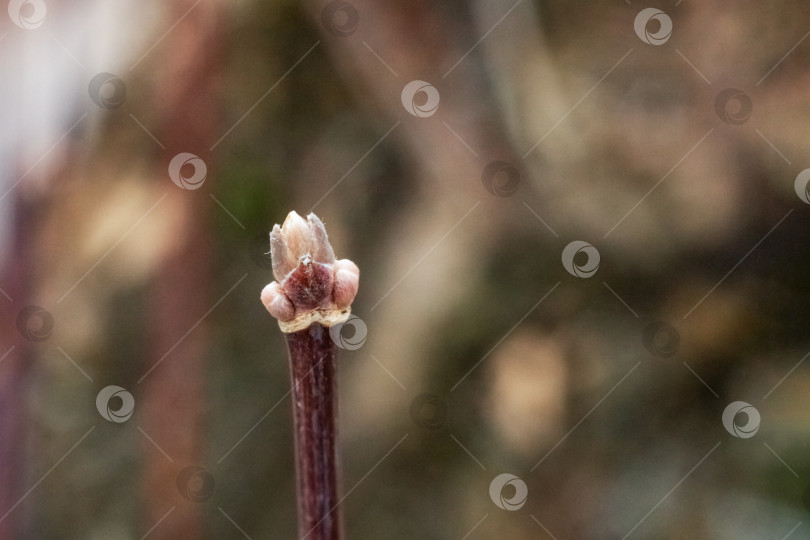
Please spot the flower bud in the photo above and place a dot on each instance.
(311, 286)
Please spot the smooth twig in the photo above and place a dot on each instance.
(312, 292)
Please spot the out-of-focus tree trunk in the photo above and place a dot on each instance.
(419, 40)
(14, 368)
(174, 392)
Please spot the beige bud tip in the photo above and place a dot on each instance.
(288, 243)
(277, 302)
(278, 254)
(347, 281)
(295, 230)
(293, 219)
(319, 243)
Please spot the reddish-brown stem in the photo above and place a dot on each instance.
(314, 389)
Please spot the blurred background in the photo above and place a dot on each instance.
(582, 234)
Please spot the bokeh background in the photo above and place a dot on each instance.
(676, 154)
